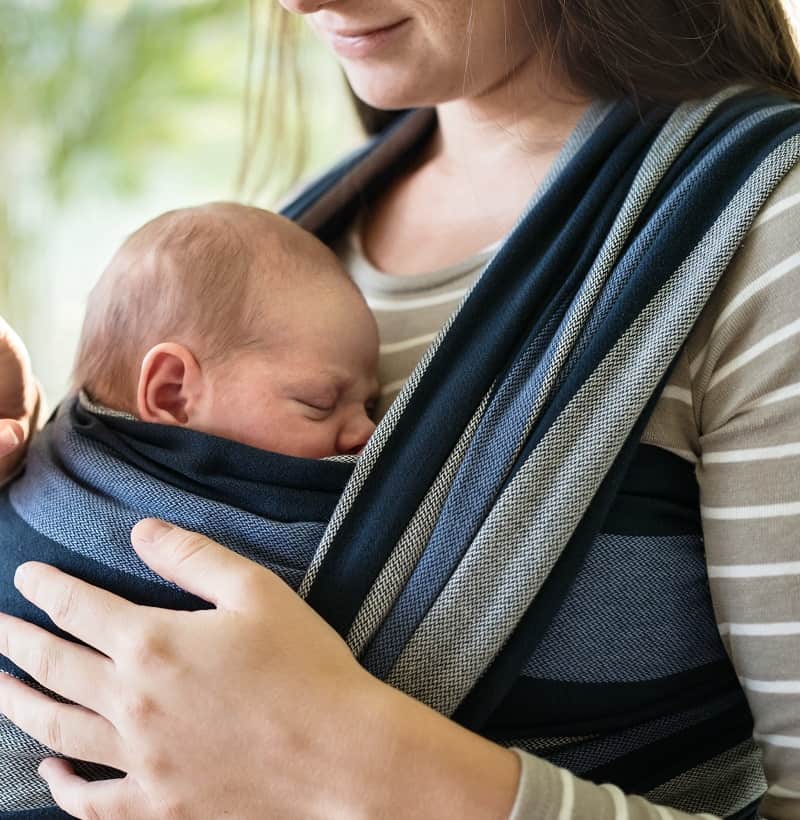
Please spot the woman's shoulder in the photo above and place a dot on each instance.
(747, 337)
(762, 276)
(745, 345)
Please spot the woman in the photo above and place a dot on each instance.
(201, 709)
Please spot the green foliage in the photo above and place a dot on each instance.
(80, 77)
(90, 90)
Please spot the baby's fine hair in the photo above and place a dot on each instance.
(195, 276)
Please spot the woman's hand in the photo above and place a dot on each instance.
(254, 709)
(19, 399)
(231, 712)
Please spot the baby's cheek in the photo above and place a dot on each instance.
(265, 431)
(304, 438)
(321, 440)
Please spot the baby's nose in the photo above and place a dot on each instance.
(355, 434)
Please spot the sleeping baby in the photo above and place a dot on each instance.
(225, 357)
(233, 321)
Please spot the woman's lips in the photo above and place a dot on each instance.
(363, 42)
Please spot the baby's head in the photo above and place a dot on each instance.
(233, 321)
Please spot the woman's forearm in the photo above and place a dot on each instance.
(549, 793)
(415, 763)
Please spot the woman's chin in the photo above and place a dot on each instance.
(389, 89)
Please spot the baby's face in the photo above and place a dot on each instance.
(312, 389)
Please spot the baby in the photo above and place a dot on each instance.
(233, 321)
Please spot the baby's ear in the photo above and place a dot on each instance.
(170, 385)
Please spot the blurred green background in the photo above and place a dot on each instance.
(112, 111)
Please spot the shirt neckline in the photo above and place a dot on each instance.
(364, 271)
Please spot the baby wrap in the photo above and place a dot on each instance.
(505, 548)
(89, 478)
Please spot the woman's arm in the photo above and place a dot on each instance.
(548, 793)
(746, 388)
(19, 401)
(253, 709)
(256, 708)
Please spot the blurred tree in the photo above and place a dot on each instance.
(96, 92)
(83, 78)
(90, 75)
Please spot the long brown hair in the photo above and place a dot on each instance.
(664, 50)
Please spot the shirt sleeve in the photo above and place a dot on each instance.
(547, 792)
(744, 369)
(746, 388)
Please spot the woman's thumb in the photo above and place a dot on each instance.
(192, 561)
(12, 436)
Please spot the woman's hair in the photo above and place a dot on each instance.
(663, 50)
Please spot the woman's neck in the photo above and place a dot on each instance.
(473, 180)
(521, 123)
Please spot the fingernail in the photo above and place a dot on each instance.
(9, 440)
(149, 531)
(21, 575)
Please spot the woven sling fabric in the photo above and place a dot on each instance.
(488, 485)
(568, 334)
(89, 478)
(504, 545)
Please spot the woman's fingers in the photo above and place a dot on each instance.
(198, 705)
(19, 400)
(93, 615)
(119, 799)
(65, 728)
(198, 564)
(12, 436)
(16, 378)
(66, 668)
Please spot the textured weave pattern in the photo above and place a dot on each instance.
(402, 562)
(723, 785)
(639, 609)
(21, 788)
(601, 751)
(20, 755)
(513, 492)
(528, 527)
(389, 421)
(66, 472)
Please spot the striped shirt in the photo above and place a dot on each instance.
(731, 408)
(409, 310)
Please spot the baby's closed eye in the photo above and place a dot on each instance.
(317, 409)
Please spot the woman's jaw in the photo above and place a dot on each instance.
(420, 53)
